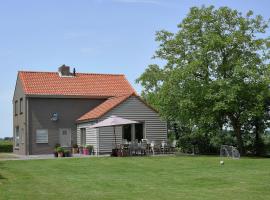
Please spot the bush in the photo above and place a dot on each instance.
(6, 146)
(60, 149)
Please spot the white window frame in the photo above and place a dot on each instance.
(42, 136)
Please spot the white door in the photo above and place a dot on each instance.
(65, 137)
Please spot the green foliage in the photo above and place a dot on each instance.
(90, 147)
(60, 150)
(216, 73)
(6, 146)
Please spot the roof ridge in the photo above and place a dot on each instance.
(80, 73)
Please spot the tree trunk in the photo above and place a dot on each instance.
(237, 130)
(259, 146)
(257, 142)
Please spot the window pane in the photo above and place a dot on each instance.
(21, 106)
(17, 137)
(41, 136)
(16, 107)
(127, 132)
(139, 132)
(83, 136)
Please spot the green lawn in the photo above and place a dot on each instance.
(136, 178)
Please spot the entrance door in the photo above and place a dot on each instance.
(139, 131)
(65, 137)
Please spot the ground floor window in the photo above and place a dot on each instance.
(83, 136)
(42, 136)
(17, 137)
(129, 134)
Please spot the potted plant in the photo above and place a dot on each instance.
(60, 151)
(85, 151)
(75, 148)
(90, 148)
(55, 150)
(66, 153)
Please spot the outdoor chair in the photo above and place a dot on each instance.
(154, 147)
(173, 146)
(164, 147)
(144, 147)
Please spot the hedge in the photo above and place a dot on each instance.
(6, 147)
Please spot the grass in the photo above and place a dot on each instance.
(135, 178)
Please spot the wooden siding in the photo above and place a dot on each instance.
(91, 135)
(134, 109)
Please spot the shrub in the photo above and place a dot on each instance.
(60, 149)
(6, 146)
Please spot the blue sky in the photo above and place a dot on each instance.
(101, 36)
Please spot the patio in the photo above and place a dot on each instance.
(143, 148)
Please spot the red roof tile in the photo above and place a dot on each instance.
(83, 84)
(103, 108)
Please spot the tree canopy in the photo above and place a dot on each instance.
(216, 73)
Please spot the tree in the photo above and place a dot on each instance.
(216, 71)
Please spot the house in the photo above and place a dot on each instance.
(52, 108)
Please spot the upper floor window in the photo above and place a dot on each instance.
(21, 105)
(16, 107)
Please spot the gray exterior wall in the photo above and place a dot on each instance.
(134, 109)
(19, 120)
(40, 113)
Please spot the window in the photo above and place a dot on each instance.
(127, 132)
(83, 136)
(17, 137)
(139, 131)
(16, 108)
(41, 136)
(21, 105)
(22, 135)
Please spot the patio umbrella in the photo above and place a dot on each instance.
(113, 121)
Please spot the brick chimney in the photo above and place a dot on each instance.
(64, 71)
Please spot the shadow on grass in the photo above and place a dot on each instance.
(2, 177)
(1, 167)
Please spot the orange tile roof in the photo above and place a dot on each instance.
(83, 84)
(103, 108)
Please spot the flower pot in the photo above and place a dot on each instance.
(85, 151)
(114, 152)
(60, 154)
(66, 154)
(75, 150)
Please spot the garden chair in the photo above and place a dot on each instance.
(164, 147)
(173, 146)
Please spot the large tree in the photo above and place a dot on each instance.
(216, 72)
